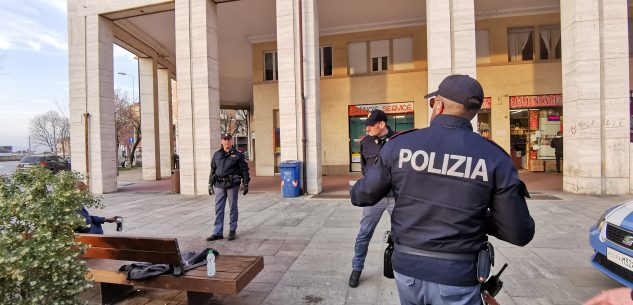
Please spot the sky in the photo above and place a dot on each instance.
(34, 66)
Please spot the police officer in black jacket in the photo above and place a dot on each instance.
(228, 169)
(452, 188)
(378, 133)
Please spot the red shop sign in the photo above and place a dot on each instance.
(535, 101)
(392, 108)
(533, 119)
(487, 104)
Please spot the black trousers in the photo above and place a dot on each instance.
(558, 158)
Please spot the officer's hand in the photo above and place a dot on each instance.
(211, 191)
(245, 189)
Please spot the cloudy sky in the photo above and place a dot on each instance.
(34, 65)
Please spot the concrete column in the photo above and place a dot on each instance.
(595, 97)
(148, 94)
(165, 123)
(312, 79)
(90, 40)
(288, 56)
(198, 92)
(451, 48)
(289, 82)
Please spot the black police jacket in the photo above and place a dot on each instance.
(451, 187)
(370, 148)
(229, 166)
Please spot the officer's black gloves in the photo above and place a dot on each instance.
(211, 191)
(244, 189)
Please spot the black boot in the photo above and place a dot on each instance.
(354, 279)
(214, 237)
(231, 235)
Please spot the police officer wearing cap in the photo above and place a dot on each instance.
(378, 133)
(452, 188)
(228, 170)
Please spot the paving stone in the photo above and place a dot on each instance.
(308, 245)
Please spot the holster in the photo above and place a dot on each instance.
(485, 259)
(387, 269)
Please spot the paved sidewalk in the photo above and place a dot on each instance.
(307, 246)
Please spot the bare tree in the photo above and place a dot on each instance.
(234, 121)
(49, 129)
(64, 125)
(127, 121)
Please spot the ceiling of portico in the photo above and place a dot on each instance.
(243, 22)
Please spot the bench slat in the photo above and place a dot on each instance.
(129, 242)
(131, 248)
(137, 256)
(194, 280)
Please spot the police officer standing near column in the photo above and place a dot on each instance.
(452, 187)
(378, 133)
(228, 169)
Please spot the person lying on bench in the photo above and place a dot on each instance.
(93, 223)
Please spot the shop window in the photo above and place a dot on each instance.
(357, 57)
(520, 44)
(325, 57)
(400, 117)
(403, 53)
(550, 42)
(270, 65)
(483, 46)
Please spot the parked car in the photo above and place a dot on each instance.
(54, 163)
(612, 240)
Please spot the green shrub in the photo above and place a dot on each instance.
(39, 259)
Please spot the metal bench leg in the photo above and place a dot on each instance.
(111, 293)
(199, 298)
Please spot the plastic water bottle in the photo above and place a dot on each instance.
(210, 263)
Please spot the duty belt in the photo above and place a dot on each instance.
(464, 257)
(228, 178)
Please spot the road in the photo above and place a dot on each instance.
(8, 167)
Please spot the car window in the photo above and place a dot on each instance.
(30, 159)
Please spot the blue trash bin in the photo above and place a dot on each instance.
(290, 178)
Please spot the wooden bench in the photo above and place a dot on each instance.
(108, 253)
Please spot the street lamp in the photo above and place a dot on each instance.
(133, 83)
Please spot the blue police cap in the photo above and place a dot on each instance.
(461, 89)
(226, 135)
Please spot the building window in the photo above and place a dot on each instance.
(483, 46)
(325, 56)
(520, 44)
(549, 42)
(379, 64)
(402, 53)
(357, 57)
(270, 65)
(379, 52)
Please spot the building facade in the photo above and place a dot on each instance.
(309, 72)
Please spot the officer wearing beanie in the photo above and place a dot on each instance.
(452, 188)
(228, 169)
(378, 133)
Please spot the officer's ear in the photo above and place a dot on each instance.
(438, 106)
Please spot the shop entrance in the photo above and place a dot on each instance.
(534, 121)
(399, 115)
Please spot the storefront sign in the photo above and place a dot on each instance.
(487, 104)
(536, 101)
(393, 108)
(533, 119)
